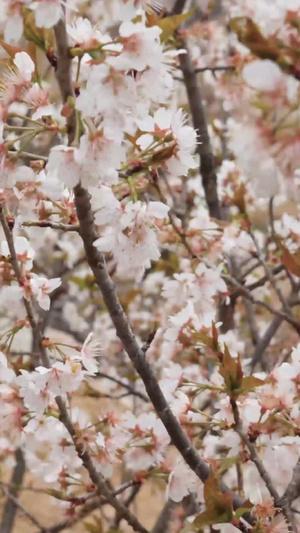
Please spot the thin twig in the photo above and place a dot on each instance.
(177, 230)
(278, 502)
(220, 68)
(245, 292)
(126, 386)
(271, 278)
(263, 280)
(88, 508)
(50, 224)
(265, 341)
(204, 148)
(28, 155)
(96, 477)
(251, 320)
(215, 69)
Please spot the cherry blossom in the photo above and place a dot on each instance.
(41, 288)
(149, 260)
(47, 13)
(90, 350)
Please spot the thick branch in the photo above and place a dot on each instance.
(25, 512)
(207, 159)
(10, 508)
(292, 491)
(164, 519)
(96, 477)
(135, 352)
(137, 356)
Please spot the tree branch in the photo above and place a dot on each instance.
(96, 477)
(204, 149)
(265, 340)
(245, 292)
(50, 224)
(126, 386)
(18, 505)
(278, 502)
(10, 508)
(292, 491)
(135, 352)
(88, 508)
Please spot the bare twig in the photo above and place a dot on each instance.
(177, 230)
(265, 341)
(50, 224)
(251, 318)
(27, 303)
(161, 524)
(96, 477)
(88, 508)
(278, 502)
(293, 489)
(126, 386)
(28, 155)
(264, 279)
(245, 292)
(207, 160)
(215, 69)
(219, 68)
(272, 280)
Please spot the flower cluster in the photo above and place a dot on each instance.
(143, 217)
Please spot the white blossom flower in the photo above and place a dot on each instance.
(91, 349)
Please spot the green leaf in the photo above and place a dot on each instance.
(94, 527)
(227, 462)
(231, 370)
(169, 25)
(209, 518)
(41, 37)
(249, 34)
(290, 261)
(10, 49)
(218, 505)
(249, 383)
(245, 508)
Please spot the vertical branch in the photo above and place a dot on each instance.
(265, 341)
(207, 160)
(165, 517)
(136, 354)
(10, 508)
